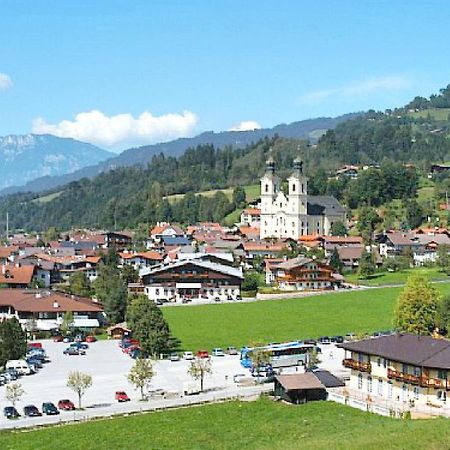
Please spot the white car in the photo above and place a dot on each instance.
(188, 355)
(240, 377)
(218, 352)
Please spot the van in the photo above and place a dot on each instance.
(20, 365)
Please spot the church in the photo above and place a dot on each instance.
(295, 213)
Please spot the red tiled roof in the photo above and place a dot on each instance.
(6, 252)
(16, 275)
(145, 255)
(249, 231)
(45, 301)
(343, 239)
(252, 211)
(256, 246)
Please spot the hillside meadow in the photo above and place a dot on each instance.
(238, 324)
(257, 425)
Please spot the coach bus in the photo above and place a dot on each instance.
(281, 355)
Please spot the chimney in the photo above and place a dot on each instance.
(3, 269)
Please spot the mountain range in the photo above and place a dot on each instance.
(26, 157)
(45, 162)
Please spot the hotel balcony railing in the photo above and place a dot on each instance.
(436, 383)
(356, 365)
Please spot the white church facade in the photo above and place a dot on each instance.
(295, 213)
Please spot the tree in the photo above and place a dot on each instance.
(417, 306)
(51, 234)
(443, 316)
(443, 259)
(366, 264)
(148, 325)
(414, 213)
(260, 358)
(80, 284)
(141, 374)
(13, 341)
(251, 281)
(198, 370)
(112, 257)
(79, 382)
(335, 261)
(312, 359)
(129, 274)
(239, 197)
(13, 392)
(112, 291)
(338, 229)
(67, 322)
(367, 221)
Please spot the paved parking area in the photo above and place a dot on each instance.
(109, 367)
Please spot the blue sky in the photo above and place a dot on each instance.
(121, 73)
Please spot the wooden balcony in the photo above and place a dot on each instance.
(404, 377)
(356, 365)
(435, 383)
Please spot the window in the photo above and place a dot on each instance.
(442, 396)
(405, 368)
(293, 187)
(157, 291)
(360, 381)
(369, 384)
(390, 389)
(380, 387)
(416, 392)
(384, 363)
(442, 374)
(360, 357)
(417, 371)
(379, 362)
(267, 188)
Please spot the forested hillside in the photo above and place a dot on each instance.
(128, 196)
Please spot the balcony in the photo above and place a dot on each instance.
(404, 377)
(356, 365)
(435, 383)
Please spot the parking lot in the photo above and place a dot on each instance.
(109, 367)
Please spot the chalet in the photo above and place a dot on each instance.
(17, 277)
(189, 279)
(163, 229)
(118, 331)
(251, 233)
(251, 217)
(139, 260)
(304, 274)
(348, 172)
(401, 367)
(350, 256)
(120, 240)
(65, 266)
(271, 265)
(262, 249)
(46, 309)
(331, 242)
(439, 168)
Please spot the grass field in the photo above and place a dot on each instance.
(252, 192)
(257, 425)
(222, 325)
(434, 113)
(47, 198)
(386, 278)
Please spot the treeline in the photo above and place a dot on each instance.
(441, 100)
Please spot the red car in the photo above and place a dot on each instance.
(58, 338)
(66, 405)
(121, 396)
(91, 339)
(202, 354)
(34, 345)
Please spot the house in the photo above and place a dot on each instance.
(251, 217)
(139, 260)
(262, 249)
(347, 171)
(163, 229)
(46, 309)
(331, 242)
(189, 279)
(350, 256)
(294, 213)
(121, 240)
(302, 273)
(271, 265)
(7, 254)
(401, 368)
(17, 277)
(249, 232)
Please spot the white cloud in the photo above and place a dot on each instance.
(122, 129)
(5, 81)
(388, 84)
(246, 125)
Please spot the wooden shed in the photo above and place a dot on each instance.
(118, 331)
(299, 388)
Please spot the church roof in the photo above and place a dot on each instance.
(319, 205)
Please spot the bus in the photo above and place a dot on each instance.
(286, 354)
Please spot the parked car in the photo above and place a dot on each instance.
(310, 342)
(324, 340)
(31, 411)
(79, 345)
(34, 345)
(174, 357)
(80, 338)
(238, 297)
(66, 405)
(121, 396)
(202, 354)
(10, 412)
(74, 351)
(3, 379)
(188, 355)
(238, 377)
(12, 374)
(49, 409)
(91, 339)
(337, 339)
(232, 350)
(19, 365)
(58, 338)
(68, 339)
(218, 352)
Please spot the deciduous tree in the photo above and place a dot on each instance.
(141, 374)
(79, 382)
(14, 392)
(199, 369)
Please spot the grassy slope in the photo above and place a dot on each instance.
(252, 192)
(47, 198)
(434, 113)
(385, 278)
(222, 325)
(256, 425)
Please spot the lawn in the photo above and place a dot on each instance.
(257, 425)
(238, 324)
(392, 278)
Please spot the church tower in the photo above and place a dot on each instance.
(270, 187)
(298, 199)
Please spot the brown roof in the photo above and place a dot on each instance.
(256, 246)
(45, 301)
(252, 211)
(299, 381)
(343, 239)
(6, 252)
(249, 231)
(354, 252)
(16, 275)
(144, 255)
(423, 351)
